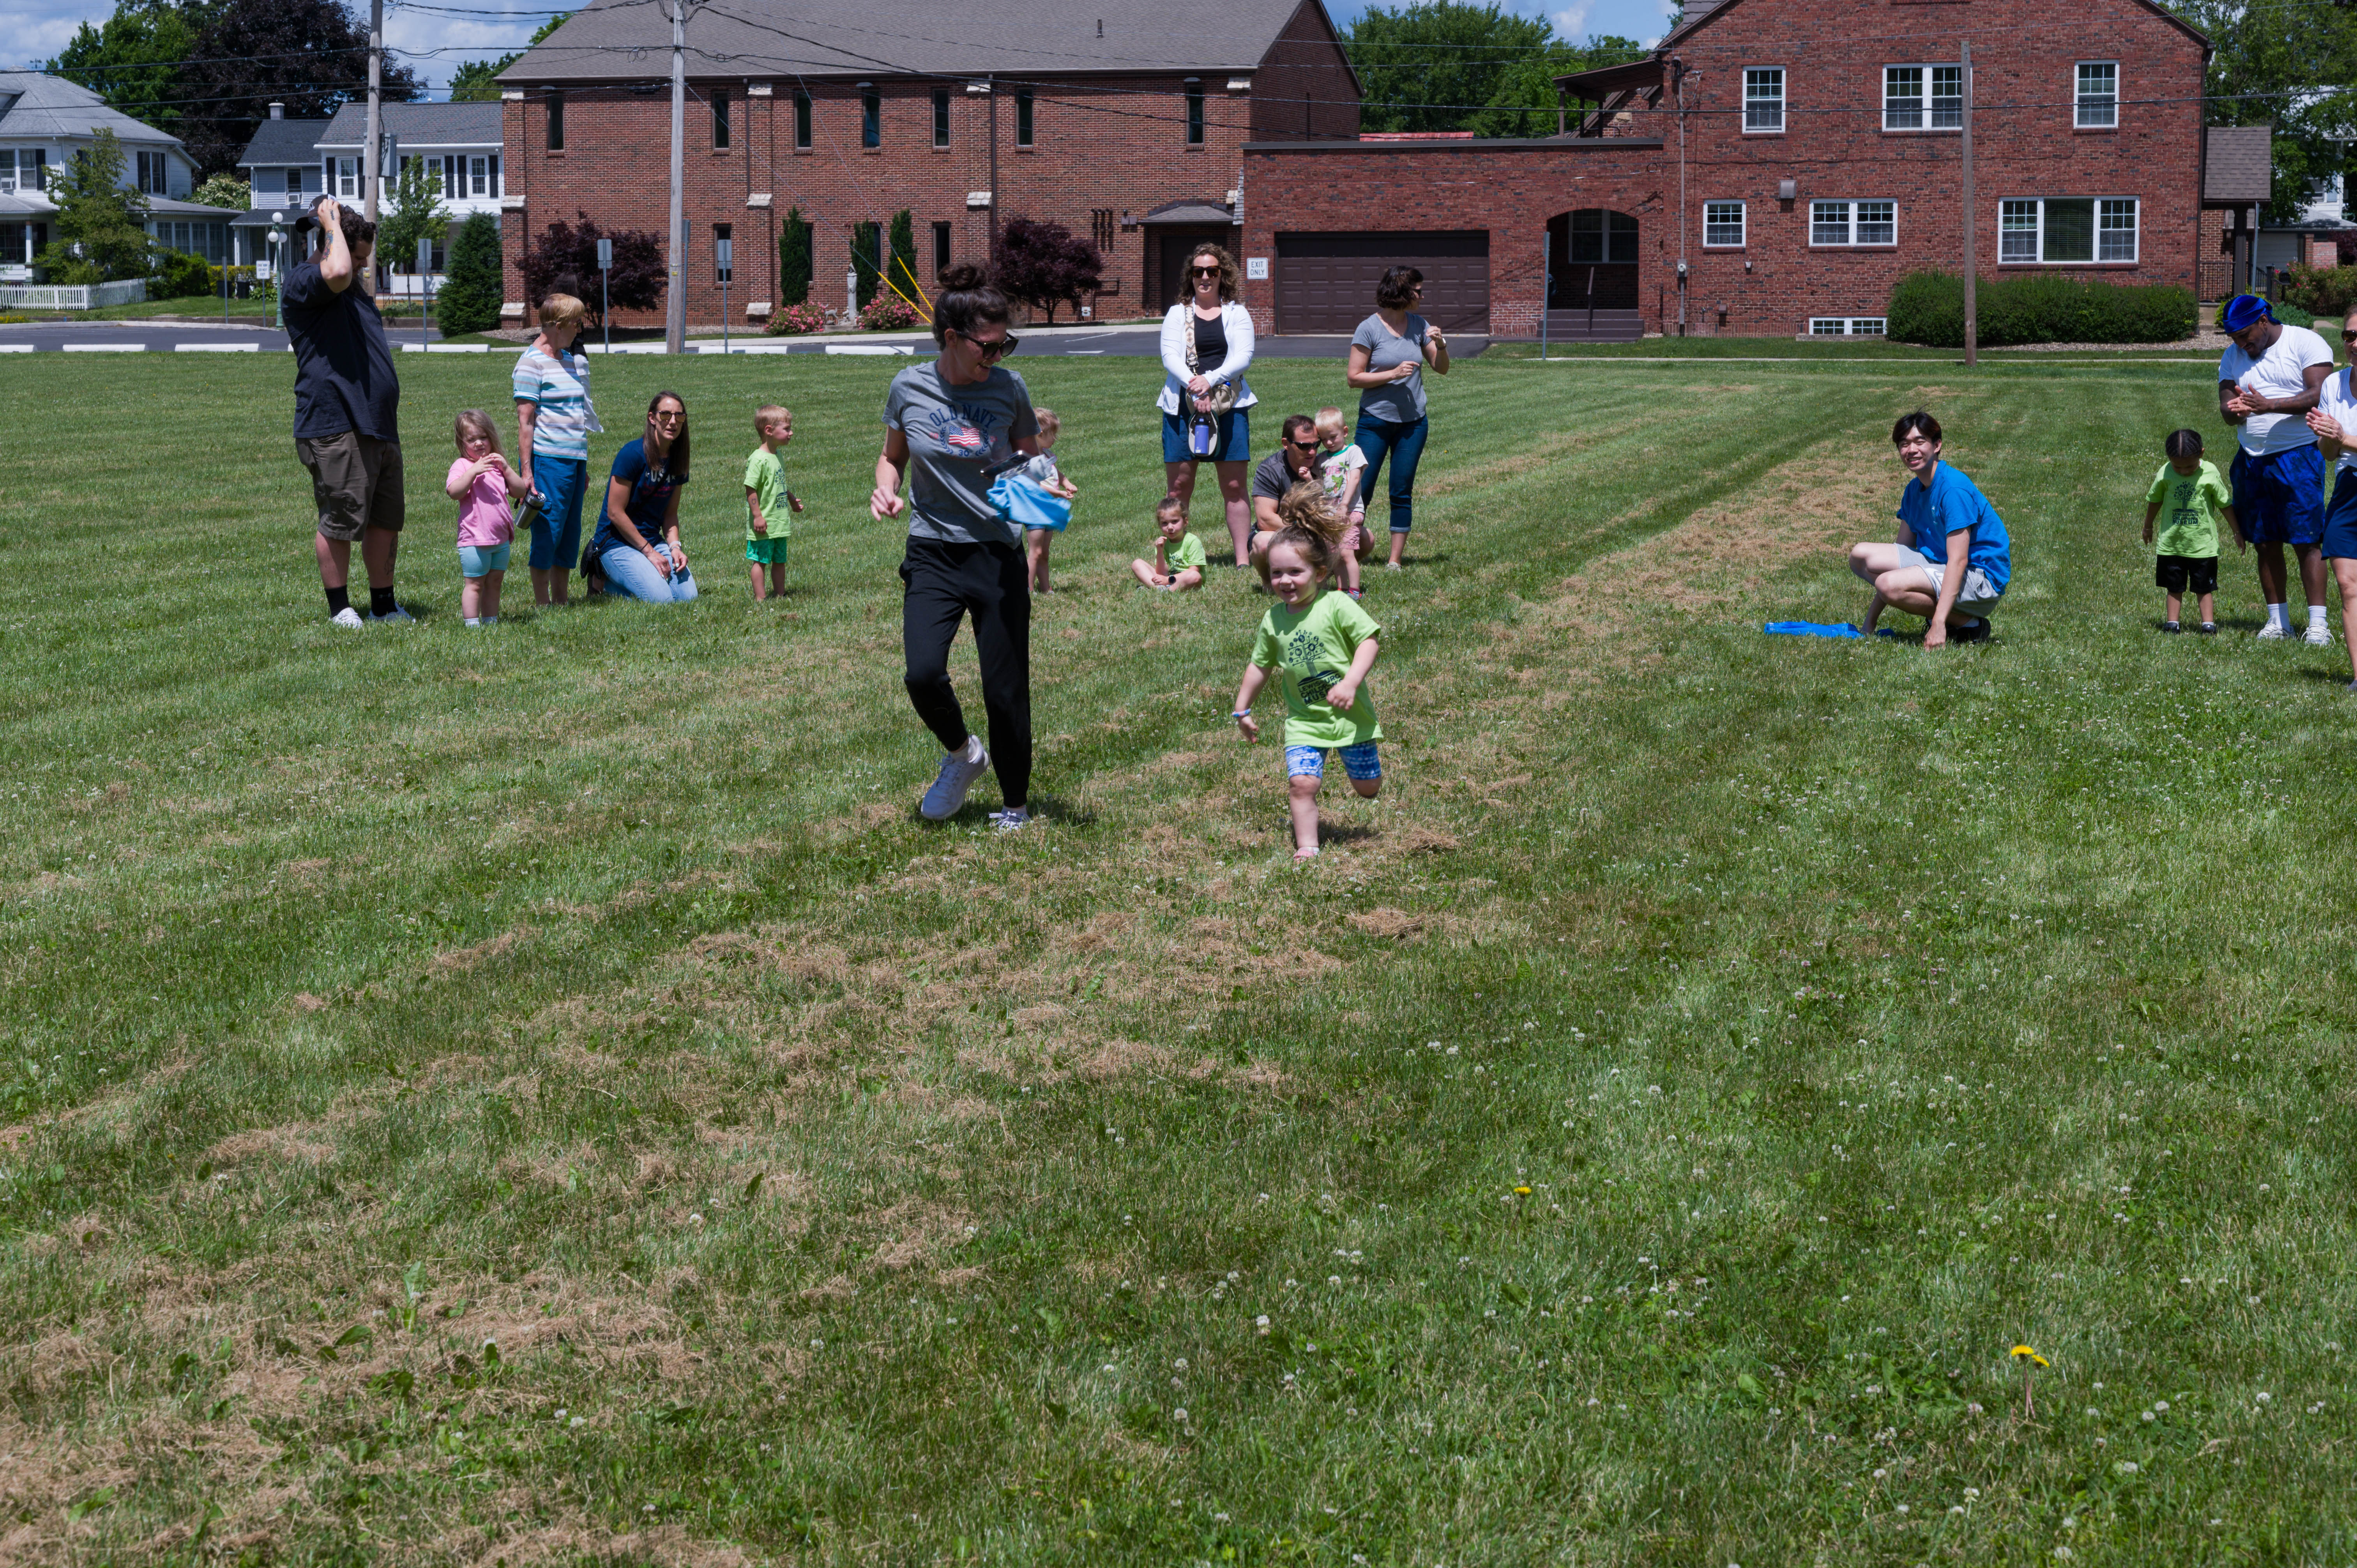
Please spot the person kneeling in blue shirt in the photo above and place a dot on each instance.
(1952, 559)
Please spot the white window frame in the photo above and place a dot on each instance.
(2107, 209)
(2081, 99)
(1927, 97)
(1849, 327)
(1851, 223)
(1779, 99)
(1714, 216)
(348, 177)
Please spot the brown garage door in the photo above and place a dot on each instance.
(1326, 283)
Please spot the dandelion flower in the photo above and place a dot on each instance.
(2021, 1352)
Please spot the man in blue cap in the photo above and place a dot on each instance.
(2267, 380)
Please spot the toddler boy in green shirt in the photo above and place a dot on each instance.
(2195, 496)
(767, 502)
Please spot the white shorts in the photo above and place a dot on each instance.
(1975, 596)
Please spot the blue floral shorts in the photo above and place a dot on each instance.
(1310, 761)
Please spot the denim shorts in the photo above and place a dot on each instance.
(1359, 761)
(477, 560)
(1230, 438)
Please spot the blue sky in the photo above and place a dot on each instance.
(40, 28)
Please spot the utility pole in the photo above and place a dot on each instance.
(675, 296)
(1972, 243)
(990, 100)
(370, 171)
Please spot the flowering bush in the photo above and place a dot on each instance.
(796, 319)
(888, 312)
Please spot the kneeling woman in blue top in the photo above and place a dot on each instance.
(638, 542)
(1952, 559)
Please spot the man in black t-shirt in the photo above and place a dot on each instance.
(347, 404)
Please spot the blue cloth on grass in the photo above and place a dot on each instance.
(1810, 629)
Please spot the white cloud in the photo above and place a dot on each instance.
(42, 27)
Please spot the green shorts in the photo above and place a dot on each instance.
(770, 552)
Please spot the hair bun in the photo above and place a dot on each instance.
(962, 277)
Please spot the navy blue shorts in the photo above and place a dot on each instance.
(2340, 518)
(1230, 438)
(2280, 497)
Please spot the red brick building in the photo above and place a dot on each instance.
(1798, 156)
(1123, 119)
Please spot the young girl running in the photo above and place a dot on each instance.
(482, 482)
(1321, 645)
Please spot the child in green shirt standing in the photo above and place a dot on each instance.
(767, 502)
(2195, 496)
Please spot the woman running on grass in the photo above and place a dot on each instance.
(950, 427)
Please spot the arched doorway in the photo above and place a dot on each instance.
(1592, 276)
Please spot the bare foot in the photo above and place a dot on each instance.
(1311, 852)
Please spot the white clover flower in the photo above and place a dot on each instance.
(1178, 1414)
(1972, 1494)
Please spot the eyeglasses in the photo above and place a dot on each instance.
(1206, 272)
(1303, 445)
(2349, 332)
(670, 416)
(993, 348)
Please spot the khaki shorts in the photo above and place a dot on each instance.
(356, 479)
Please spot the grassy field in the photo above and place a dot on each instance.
(542, 1096)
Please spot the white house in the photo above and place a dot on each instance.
(45, 120)
(459, 143)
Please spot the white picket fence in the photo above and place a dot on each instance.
(79, 296)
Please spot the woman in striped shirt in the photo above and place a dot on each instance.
(554, 419)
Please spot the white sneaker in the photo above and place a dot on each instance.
(951, 785)
(1013, 820)
(2317, 637)
(399, 617)
(2271, 632)
(347, 620)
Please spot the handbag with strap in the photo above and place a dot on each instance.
(1223, 395)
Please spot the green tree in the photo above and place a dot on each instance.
(904, 256)
(311, 55)
(133, 58)
(224, 191)
(1446, 65)
(469, 300)
(477, 80)
(867, 260)
(2288, 66)
(794, 261)
(416, 213)
(101, 232)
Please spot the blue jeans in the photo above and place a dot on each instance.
(556, 533)
(630, 575)
(1403, 445)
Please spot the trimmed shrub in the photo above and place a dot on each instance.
(2292, 316)
(469, 299)
(179, 275)
(1929, 308)
(794, 259)
(796, 319)
(888, 312)
(2327, 291)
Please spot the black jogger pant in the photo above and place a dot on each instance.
(992, 584)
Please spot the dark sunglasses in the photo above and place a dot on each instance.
(2349, 332)
(1303, 445)
(997, 348)
(1206, 272)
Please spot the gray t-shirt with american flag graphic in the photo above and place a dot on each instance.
(959, 437)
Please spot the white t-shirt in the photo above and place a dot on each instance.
(2339, 401)
(1335, 468)
(2277, 373)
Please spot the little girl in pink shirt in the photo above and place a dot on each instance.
(481, 481)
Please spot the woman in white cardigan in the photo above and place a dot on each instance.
(1223, 346)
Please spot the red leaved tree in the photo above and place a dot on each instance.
(564, 260)
(1046, 264)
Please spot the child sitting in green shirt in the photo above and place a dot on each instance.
(1177, 562)
(767, 502)
(2187, 556)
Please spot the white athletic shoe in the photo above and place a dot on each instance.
(1012, 820)
(398, 617)
(346, 619)
(2271, 632)
(2317, 637)
(951, 785)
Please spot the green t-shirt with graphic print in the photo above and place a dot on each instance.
(1188, 550)
(2191, 506)
(1311, 650)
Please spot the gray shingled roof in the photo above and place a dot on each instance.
(49, 107)
(419, 125)
(284, 142)
(2238, 166)
(1699, 11)
(630, 39)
